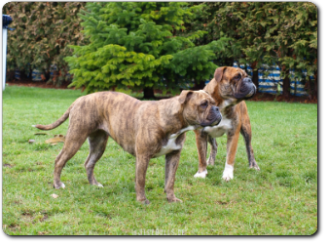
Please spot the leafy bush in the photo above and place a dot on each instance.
(42, 31)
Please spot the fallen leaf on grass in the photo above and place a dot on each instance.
(56, 139)
(54, 196)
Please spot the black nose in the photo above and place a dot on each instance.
(247, 80)
(218, 113)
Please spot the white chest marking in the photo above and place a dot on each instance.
(171, 143)
(218, 130)
(225, 124)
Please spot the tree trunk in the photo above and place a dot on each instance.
(255, 78)
(315, 91)
(229, 61)
(10, 75)
(286, 85)
(199, 85)
(148, 93)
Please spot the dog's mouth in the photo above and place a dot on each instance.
(213, 122)
(216, 122)
(251, 93)
(246, 92)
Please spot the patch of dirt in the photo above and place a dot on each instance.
(45, 217)
(280, 98)
(221, 203)
(27, 217)
(258, 97)
(13, 227)
(7, 165)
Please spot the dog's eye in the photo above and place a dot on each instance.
(204, 104)
(237, 77)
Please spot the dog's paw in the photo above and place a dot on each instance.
(144, 201)
(201, 175)
(100, 185)
(174, 199)
(227, 176)
(255, 166)
(59, 185)
(228, 172)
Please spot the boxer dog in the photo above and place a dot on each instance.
(229, 87)
(145, 129)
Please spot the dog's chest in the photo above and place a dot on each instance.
(171, 144)
(217, 131)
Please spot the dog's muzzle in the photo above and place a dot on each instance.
(215, 117)
(252, 92)
(250, 87)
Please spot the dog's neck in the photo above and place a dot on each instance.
(223, 103)
(172, 115)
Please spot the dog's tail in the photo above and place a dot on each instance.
(56, 123)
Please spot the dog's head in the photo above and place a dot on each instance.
(199, 108)
(234, 83)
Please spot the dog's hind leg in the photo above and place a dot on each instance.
(73, 141)
(246, 131)
(214, 150)
(97, 146)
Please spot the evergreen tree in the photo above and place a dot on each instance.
(284, 33)
(135, 44)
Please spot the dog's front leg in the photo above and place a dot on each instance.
(214, 150)
(171, 166)
(232, 143)
(141, 169)
(201, 141)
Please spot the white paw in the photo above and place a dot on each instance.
(256, 167)
(228, 172)
(100, 185)
(62, 185)
(201, 175)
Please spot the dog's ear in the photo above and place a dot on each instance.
(218, 74)
(185, 96)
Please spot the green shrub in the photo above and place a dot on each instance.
(42, 31)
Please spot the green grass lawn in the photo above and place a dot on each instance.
(280, 199)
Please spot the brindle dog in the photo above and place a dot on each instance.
(145, 129)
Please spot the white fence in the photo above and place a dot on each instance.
(272, 82)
